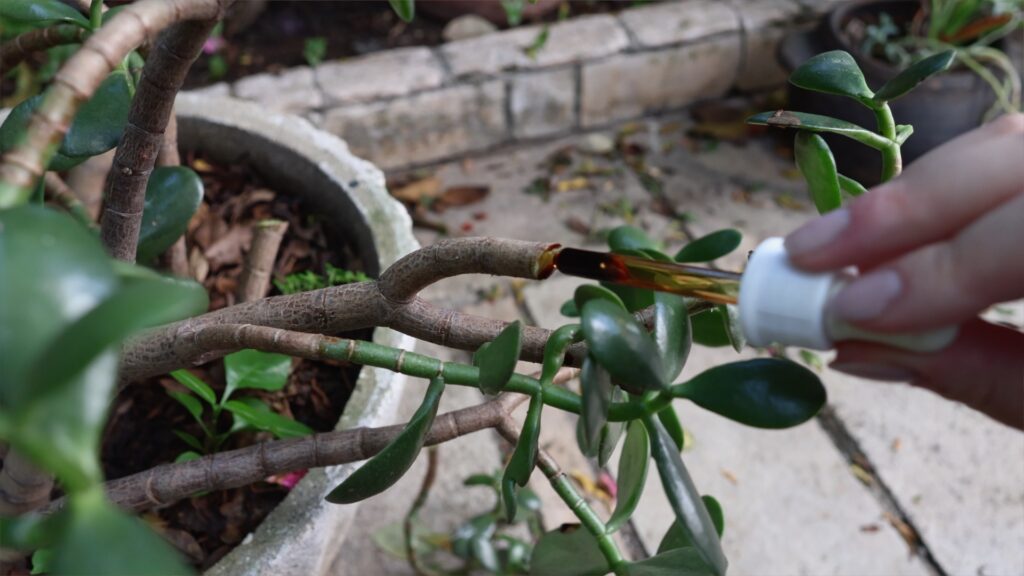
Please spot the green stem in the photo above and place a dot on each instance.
(420, 366)
(587, 517)
(96, 14)
(892, 160)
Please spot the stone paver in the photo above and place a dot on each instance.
(793, 505)
(544, 103)
(301, 93)
(425, 126)
(675, 22)
(627, 85)
(590, 37)
(373, 76)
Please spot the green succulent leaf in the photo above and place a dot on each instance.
(587, 292)
(633, 298)
(675, 562)
(520, 465)
(834, 72)
(509, 499)
(632, 474)
(851, 186)
(568, 551)
(259, 416)
(903, 131)
(93, 525)
(671, 332)
(622, 347)
(255, 370)
(816, 163)
(480, 480)
(711, 327)
(918, 72)
(197, 386)
(677, 538)
(41, 13)
(406, 9)
(596, 392)
(682, 495)
(710, 247)
(569, 310)
(764, 392)
(173, 195)
(96, 128)
(629, 238)
(670, 420)
(818, 123)
(554, 351)
(497, 361)
(384, 469)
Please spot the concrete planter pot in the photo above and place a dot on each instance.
(302, 536)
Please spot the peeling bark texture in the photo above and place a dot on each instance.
(78, 79)
(23, 487)
(143, 137)
(168, 483)
(15, 50)
(259, 262)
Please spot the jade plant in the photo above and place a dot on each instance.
(87, 307)
(837, 73)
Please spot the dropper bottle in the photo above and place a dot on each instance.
(778, 303)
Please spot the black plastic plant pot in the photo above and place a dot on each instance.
(940, 109)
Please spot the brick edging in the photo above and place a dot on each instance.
(414, 106)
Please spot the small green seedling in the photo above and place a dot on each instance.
(245, 369)
(308, 280)
(837, 73)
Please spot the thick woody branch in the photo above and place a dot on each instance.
(162, 77)
(58, 190)
(15, 50)
(168, 483)
(259, 262)
(78, 80)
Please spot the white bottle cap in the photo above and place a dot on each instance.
(780, 303)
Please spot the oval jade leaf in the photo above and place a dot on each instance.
(520, 465)
(136, 305)
(710, 328)
(173, 194)
(819, 123)
(816, 163)
(670, 420)
(497, 361)
(671, 332)
(676, 538)
(95, 524)
(636, 453)
(384, 469)
(568, 551)
(54, 272)
(918, 72)
(41, 12)
(633, 298)
(554, 351)
(764, 392)
(596, 395)
(406, 9)
(509, 498)
(611, 433)
(622, 347)
(684, 499)
(675, 562)
(99, 123)
(569, 309)
(834, 72)
(587, 292)
(629, 238)
(710, 247)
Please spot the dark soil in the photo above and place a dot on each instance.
(139, 434)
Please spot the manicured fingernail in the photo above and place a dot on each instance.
(872, 371)
(868, 296)
(818, 233)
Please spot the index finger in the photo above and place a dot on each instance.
(939, 194)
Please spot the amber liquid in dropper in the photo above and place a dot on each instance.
(693, 281)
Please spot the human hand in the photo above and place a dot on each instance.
(935, 247)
